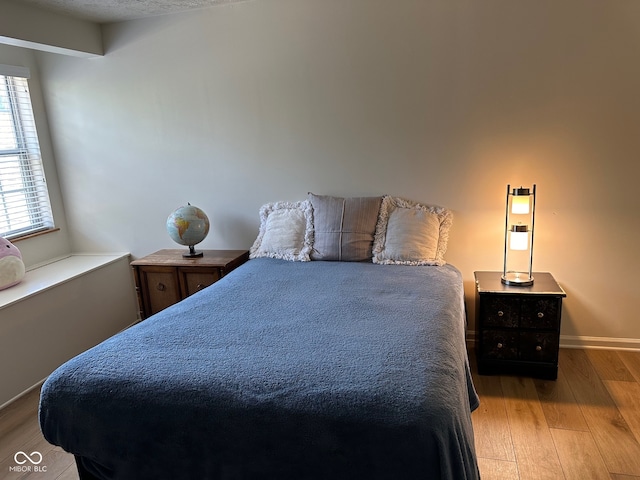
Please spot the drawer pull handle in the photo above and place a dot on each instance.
(161, 287)
(500, 313)
(200, 286)
(540, 314)
(538, 348)
(499, 345)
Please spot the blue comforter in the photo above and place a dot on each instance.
(281, 370)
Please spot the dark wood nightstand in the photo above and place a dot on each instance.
(518, 328)
(166, 277)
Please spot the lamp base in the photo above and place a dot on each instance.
(517, 279)
(192, 253)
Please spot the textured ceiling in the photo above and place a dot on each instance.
(105, 11)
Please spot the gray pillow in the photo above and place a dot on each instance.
(344, 227)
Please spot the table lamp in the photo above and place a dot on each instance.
(518, 236)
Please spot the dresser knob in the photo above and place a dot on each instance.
(200, 286)
(538, 348)
(499, 345)
(500, 313)
(540, 314)
(161, 287)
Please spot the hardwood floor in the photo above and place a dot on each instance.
(20, 432)
(585, 425)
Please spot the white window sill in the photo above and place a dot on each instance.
(58, 271)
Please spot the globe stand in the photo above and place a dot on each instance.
(192, 253)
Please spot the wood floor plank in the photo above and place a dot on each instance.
(559, 404)
(71, 473)
(626, 395)
(20, 431)
(15, 439)
(57, 462)
(609, 365)
(616, 442)
(535, 451)
(18, 423)
(632, 362)
(491, 469)
(490, 423)
(8, 465)
(17, 412)
(579, 455)
(18, 409)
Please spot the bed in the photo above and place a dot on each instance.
(283, 370)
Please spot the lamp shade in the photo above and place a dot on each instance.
(520, 205)
(519, 237)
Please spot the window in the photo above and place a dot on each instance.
(24, 200)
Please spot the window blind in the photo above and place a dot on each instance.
(24, 199)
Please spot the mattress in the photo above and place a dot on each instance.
(279, 370)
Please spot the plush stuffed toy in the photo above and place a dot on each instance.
(11, 265)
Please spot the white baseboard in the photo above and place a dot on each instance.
(570, 341)
(20, 395)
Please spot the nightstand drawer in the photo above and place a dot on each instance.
(525, 346)
(500, 344)
(161, 285)
(539, 346)
(193, 280)
(500, 311)
(540, 313)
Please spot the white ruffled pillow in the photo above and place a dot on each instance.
(286, 231)
(409, 233)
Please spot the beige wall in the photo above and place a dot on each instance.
(438, 101)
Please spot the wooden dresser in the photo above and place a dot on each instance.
(166, 277)
(518, 328)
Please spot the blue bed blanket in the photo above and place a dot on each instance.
(280, 370)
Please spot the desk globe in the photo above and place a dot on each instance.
(188, 225)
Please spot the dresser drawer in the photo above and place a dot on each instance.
(161, 287)
(540, 313)
(195, 280)
(524, 346)
(538, 346)
(500, 311)
(500, 344)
